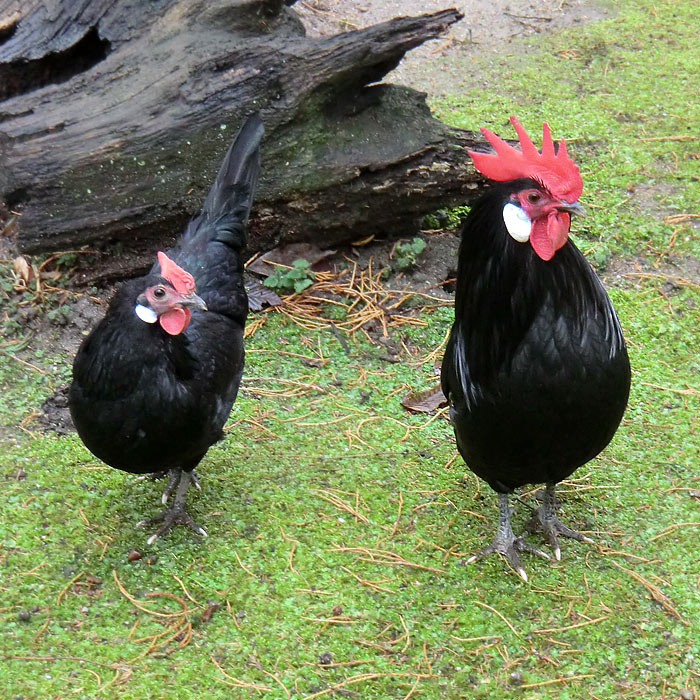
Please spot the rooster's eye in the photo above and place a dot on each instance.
(533, 197)
(159, 293)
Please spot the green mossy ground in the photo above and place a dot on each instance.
(282, 559)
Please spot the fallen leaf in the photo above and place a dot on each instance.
(259, 295)
(22, 268)
(424, 401)
(206, 615)
(286, 255)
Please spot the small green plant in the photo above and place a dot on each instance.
(67, 261)
(297, 277)
(599, 257)
(60, 315)
(448, 219)
(406, 253)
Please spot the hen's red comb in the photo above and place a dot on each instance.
(182, 281)
(556, 171)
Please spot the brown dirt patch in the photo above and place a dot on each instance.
(443, 65)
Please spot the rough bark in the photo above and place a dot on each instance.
(114, 115)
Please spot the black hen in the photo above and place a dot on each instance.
(536, 368)
(154, 382)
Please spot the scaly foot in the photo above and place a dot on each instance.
(170, 517)
(175, 514)
(509, 549)
(173, 480)
(545, 520)
(506, 543)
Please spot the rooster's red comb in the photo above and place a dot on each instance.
(182, 281)
(555, 170)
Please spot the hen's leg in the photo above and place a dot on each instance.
(176, 513)
(545, 520)
(505, 542)
(173, 480)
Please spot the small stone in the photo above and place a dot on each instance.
(337, 610)
(325, 659)
(134, 555)
(516, 678)
(151, 559)
(24, 616)
(686, 694)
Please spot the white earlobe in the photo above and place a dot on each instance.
(145, 314)
(517, 222)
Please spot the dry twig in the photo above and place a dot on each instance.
(656, 593)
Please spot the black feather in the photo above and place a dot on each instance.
(143, 400)
(536, 368)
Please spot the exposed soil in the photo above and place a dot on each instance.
(444, 64)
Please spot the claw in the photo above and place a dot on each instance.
(539, 553)
(174, 478)
(176, 513)
(545, 520)
(509, 547)
(506, 543)
(169, 518)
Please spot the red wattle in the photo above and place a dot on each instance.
(550, 234)
(175, 321)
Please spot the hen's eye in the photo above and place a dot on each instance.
(533, 197)
(159, 292)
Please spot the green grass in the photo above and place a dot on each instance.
(280, 558)
(623, 92)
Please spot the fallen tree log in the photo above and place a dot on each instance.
(114, 116)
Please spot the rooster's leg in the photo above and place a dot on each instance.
(176, 514)
(505, 542)
(545, 520)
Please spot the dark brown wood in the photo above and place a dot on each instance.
(114, 116)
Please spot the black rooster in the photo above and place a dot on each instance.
(154, 382)
(536, 368)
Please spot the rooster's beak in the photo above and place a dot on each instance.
(193, 301)
(573, 208)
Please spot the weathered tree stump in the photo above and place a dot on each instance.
(114, 116)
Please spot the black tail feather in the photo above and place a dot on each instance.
(225, 211)
(237, 179)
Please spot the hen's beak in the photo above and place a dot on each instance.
(193, 301)
(573, 208)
